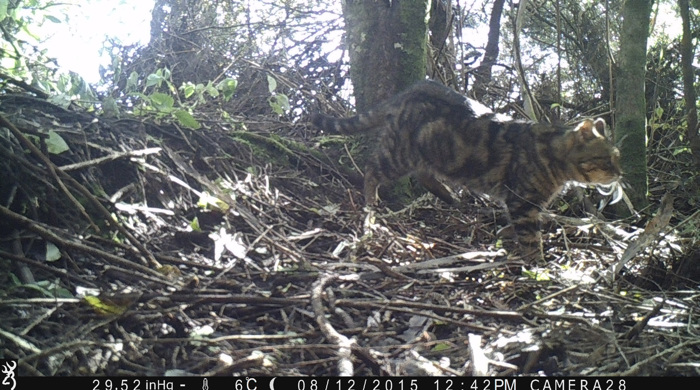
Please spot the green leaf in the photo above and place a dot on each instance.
(541, 276)
(52, 252)
(188, 89)
(441, 347)
(283, 101)
(211, 90)
(209, 202)
(116, 68)
(49, 289)
(55, 143)
(658, 112)
(154, 79)
(271, 83)
(61, 99)
(195, 225)
(227, 88)
(680, 150)
(162, 102)
(103, 307)
(110, 108)
(279, 103)
(132, 82)
(186, 119)
(3, 9)
(276, 107)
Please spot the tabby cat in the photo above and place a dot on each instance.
(436, 133)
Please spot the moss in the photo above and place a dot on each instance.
(325, 142)
(413, 41)
(266, 146)
(279, 150)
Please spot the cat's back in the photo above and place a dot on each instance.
(422, 102)
(426, 101)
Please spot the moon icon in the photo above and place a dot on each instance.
(272, 383)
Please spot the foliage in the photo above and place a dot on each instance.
(22, 56)
(150, 99)
(244, 211)
(251, 60)
(279, 102)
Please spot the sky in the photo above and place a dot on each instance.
(76, 43)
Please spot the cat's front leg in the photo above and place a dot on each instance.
(435, 186)
(525, 217)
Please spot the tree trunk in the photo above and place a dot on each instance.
(690, 96)
(531, 108)
(482, 75)
(630, 103)
(387, 47)
(387, 44)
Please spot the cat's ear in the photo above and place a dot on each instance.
(602, 128)
(589, 130)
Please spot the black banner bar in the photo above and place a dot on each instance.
(347, 383)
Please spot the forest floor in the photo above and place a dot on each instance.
(242, 248)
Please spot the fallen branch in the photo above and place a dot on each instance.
(345, 367)
(650, 234)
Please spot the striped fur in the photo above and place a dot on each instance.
(433, 132)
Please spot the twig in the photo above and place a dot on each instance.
(352, 160)
(428, 265)
(41, 94)
(39, 265)
(548, 297)
(56, 174)
(639, 326)
(60, 175)
(108, 158)
(54, 238)
(20, 342)
(635, 369)
(428, 309)
(345, 366)
(651, 233)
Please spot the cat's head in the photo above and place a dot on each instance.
(594, 158)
